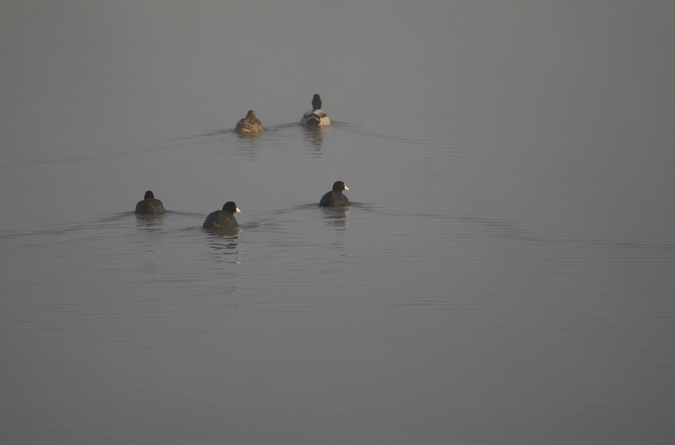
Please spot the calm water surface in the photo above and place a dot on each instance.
(504, 275)
(399, 319)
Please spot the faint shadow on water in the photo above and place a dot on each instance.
(500, 228)
(426, 156)
(314, 137)
(249, 136)
(150, 222)
(336, 216)
(379, 210)
(225, 245)
(111, 221)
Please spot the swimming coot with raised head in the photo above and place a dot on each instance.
(335, 197)
(222, 219)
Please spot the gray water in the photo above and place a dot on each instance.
(503, 275)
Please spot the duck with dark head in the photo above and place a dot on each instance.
(150, 205)
(315, 117)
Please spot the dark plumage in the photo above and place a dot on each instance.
(150, 205)
(316, 102)
(222, 219)
(316, 116)
(335, 196)
(249, 124)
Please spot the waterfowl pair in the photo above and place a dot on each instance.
(220, 219)
(313, 118)
(225, 220)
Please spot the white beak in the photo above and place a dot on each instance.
(346, 188)
(239, 211)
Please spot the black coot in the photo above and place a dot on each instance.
(150, 205)
(222, 219)
(335, 196)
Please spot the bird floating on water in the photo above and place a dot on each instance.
(222, 219)
(315, 117)
(249, 124)
(335, 197)
(150, 205)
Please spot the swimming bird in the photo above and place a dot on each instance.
(222, 219)
(316, 116)
(335, 196)
(150, 205)
(249, 124)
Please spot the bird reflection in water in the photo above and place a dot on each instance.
(315, 135)
(336, 216)
(150, 222)
(225, 244)
(249, 136)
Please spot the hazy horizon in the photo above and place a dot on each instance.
(78, 73)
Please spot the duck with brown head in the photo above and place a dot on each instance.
(249, 124)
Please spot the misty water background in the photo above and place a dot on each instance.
(504, 275)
